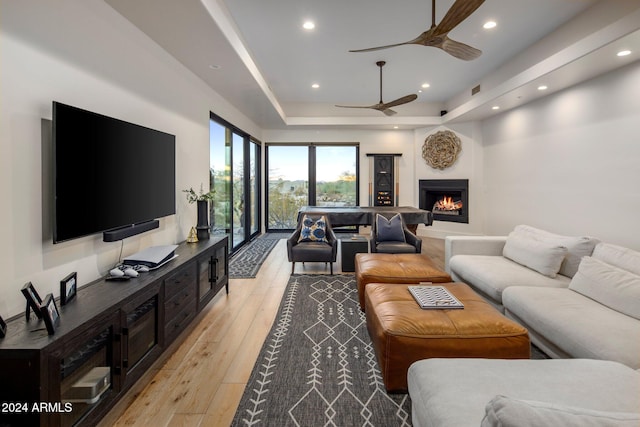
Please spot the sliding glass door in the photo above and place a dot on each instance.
(238, 191)
(235, 175)
(314, 175)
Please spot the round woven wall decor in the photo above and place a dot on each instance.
(440, 150)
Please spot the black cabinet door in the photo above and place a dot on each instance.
(213, 273)
(383, 180)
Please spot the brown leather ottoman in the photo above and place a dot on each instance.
(403, 333)
(395, 268)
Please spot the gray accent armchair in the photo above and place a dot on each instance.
(326, 252)
(411, 244)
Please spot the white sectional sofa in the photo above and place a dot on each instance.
(527, 257)
(597, 316)
(579, 299)
(523, 393)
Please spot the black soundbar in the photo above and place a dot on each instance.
(129, 230)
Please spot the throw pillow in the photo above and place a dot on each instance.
(618, 256)
(614, 287)
(503, 411)
(313, 230)
(389, 230)
(577, 247)
(543, 257)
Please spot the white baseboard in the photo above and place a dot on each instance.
(440, 234)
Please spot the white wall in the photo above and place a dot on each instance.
(468, 165)
(371, 141)
(81, 52)
(570, 162)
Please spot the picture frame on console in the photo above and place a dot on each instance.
(50, 314)
(68, 288)
(3, 327)
(34, 301)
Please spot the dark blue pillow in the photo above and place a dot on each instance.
(313, 231)
(389, 230)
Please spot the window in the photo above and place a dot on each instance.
(315, 175)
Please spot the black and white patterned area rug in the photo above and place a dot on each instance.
(317, 366)
(246, 263)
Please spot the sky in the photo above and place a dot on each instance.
(291, 162)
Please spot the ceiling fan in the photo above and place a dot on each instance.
(437, 35)
(385, 107)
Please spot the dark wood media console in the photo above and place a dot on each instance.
(123, 326)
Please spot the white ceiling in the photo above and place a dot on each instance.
(257, 55)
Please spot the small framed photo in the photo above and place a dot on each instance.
(33, 300)
(3, 328)
(50, 314)
(68, 287)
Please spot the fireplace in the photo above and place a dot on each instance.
(447, 199)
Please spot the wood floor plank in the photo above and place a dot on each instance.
(202, 381)
(242, 365)
(223, 406)
(185, 420)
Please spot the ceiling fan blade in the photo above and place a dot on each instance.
(356, 106)
(386, 111)
(460, 11)
(400, 101)
(371, 49)
(460, 50)
(379, 107)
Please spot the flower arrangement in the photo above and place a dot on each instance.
(193, 197)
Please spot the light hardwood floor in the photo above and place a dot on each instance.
(200, 379)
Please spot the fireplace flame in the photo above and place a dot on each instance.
(447, 204)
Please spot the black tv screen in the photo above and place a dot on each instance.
(108, 173)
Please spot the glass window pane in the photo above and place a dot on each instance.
(288, 178)
(254, 157)
(336, 176)
(220, 215)
(238, 214)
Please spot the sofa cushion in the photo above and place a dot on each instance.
(618, 256)
(313, 230)
(389, 230)
(493, 274)
(541, 256)
(454, 392)
(503, 411)
(614, 287)
(577, 247)
(575, 325)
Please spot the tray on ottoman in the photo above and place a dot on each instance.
(403, 333)
(397, 269)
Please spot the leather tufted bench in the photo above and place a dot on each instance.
(403, 333)
(395, 268)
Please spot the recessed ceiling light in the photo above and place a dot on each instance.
(489, 24)
(542, 87)
(426, 85)
(308, 25)
(395, 127)
(495, 107)
(315, 85)
(624, 53)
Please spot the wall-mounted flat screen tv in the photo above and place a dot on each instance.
(108, 173)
